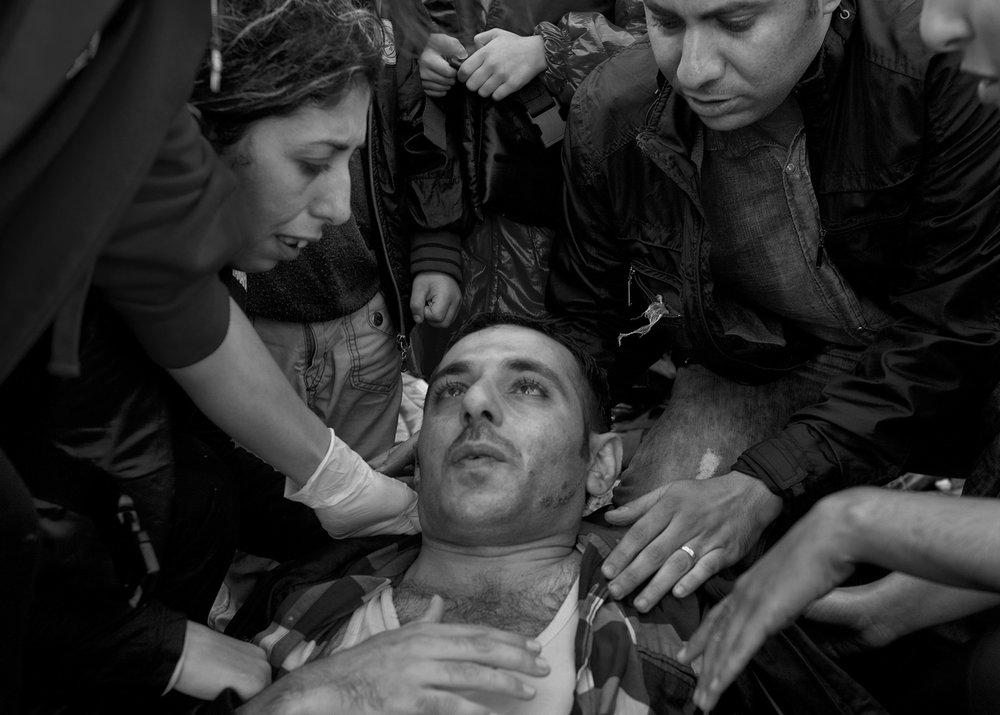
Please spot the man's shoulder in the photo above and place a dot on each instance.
(890, 37)
(611, 105)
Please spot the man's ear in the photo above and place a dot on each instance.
(827, 7)
(605, 462)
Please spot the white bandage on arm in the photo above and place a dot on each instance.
(352, 499)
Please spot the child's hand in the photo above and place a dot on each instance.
(437, 75)
(435, 298)
(502, 64)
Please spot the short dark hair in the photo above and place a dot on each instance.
(597, 396)
(280, 55)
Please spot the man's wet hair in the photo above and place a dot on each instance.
(597, 396)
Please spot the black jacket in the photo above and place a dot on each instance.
(414, 184)
(508, 167)
(905, 164)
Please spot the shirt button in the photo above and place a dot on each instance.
(790, 168)
(377, 319)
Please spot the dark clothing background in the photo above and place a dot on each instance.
(79, 443)
(908, 193)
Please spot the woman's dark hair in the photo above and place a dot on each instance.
(279, 55)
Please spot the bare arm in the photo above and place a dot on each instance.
(951, 541)
(878, 613)
(242, 390)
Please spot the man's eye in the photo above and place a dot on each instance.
(736, 25)
(449, 389)
(310, 168)
(666, 22)
(530, 388)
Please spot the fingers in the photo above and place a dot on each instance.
(735, 631)
(503, 91)
(484, 38)
(469, 66)
(434, 612)
(435, 312)
(437, 76)
(701, 570)
(489, 87)
(680, 574)
(642, 533)
(447, 310)
(436, 297)
(472, 678)
(629, 513)
(213, 661)
(447, 46)
(398, 457)
(436, 91)
(418, 299)
(483, 645)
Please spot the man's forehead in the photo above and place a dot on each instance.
(703, 8)
(508, 343)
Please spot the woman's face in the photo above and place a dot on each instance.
(294, 178)
(973, 28)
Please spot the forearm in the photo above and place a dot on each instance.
(242, 390)
(947, 540)
(910, 603)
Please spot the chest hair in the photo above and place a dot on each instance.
(524, 609)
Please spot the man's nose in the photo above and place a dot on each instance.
(943, 28)
(480, 404)
(700, 61)
(331, 202)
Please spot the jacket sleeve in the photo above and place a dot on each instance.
(582, 40)
(915, 398)
(589, 267)
(437, 214)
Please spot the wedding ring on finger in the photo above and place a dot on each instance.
(689, 551)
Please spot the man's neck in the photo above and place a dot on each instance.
(518, 587)
(783, 123)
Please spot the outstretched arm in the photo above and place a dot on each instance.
(241, 389)
(951, 541)
(875, 614)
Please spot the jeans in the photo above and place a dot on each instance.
(710, 420)
(346, 370)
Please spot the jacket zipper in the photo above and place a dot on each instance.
(402, 341)
(819, 249)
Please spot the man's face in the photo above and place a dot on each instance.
(735, 61)
(294, 177)
(500, 447)
(973, 28)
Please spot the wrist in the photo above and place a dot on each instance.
(765, 503)
(540, 65)
(327, 456)
(847, 516)
(176, 675)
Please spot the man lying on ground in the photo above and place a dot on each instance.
(515, 435)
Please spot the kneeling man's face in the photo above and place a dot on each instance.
(500, 447)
